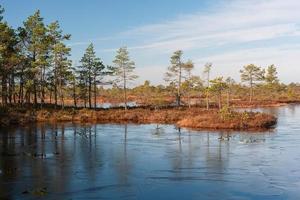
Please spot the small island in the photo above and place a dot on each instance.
(195, 118)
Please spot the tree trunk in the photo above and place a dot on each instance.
(207, 101)
(74, 94)
(13, 85)
(9, 89)
(90, 92)
(4, 90)
(95, 93)
(27, 96)
(220, 100)
(228, 98)
(251, 93)
(85, 95)
(125, 96)
(251, 89)
(55, 95)
(50, 96)
(62, 102)
(55, 86)
(41, 88)
(207, 93)
(179, 87)
(35, 93)
(21, 89)
(34, 80)
(125, 89)
(61, 95)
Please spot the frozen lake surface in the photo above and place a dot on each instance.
(96, 161)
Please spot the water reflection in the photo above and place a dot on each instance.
(93, 161)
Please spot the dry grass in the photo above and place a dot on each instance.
(237, 121)
(198, 118)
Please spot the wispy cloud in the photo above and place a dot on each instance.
(229, 34)
(234, 22)
(229, 63)
(243, 27)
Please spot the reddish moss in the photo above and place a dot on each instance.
(192, 118)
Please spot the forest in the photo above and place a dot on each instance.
(36, 70)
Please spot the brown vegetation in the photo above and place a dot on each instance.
(199, 118)
(236, 121)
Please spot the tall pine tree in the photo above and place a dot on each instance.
(92, 71)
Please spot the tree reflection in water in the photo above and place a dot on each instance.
(94, 161)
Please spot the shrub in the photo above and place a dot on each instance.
(226, 113)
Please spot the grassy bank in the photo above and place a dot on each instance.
(198, 118)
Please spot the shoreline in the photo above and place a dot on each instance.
(194, 118)
(265, 104)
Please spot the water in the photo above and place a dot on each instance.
(93, 161)
(130, 104)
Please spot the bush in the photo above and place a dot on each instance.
(226, 113)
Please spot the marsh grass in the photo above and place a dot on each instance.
(198, 118)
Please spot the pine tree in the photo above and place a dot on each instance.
(124, 71)
(59, 53)
(189, 66)
(87, 62)
(207, 69)
(217, 86)
(63, 69)
(271, 75)
(175, 73)
(73, 82)
(82, 85)
(252, 74)
(91, 69)
(230, 83)
(8, 60)
(98, 74)
(35, 43)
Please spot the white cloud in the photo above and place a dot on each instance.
(283, 58)
(230, 35)
(220, 38)
(238, 21)
(230, 63)
(233, 24)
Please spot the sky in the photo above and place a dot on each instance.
(228, 33)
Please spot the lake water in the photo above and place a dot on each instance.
(94, 161)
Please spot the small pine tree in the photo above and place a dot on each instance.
(123, 71)
(252, 74)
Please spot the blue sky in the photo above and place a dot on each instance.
(228, 33)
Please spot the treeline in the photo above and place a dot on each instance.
(35, 65)
(35, 69)
(179, 74)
